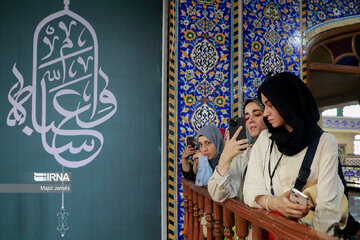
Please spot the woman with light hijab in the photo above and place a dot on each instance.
(210, 143)
(228, 178)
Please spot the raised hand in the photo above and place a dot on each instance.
(188, 152)
(232, 149)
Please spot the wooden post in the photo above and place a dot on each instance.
(258, 233)
(191, 218)
(242, 229)
(208, 211)
(228, 218)
(217, 215)
(186, 211)
(201, 214)
(218, 221)
(196, 216)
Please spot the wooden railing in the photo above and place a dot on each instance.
(219, 216)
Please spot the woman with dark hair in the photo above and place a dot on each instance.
(228, 179)
(291, 115)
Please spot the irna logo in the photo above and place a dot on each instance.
(52, 177)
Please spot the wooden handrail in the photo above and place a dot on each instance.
(235, 212)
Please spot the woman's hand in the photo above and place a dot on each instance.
(287, 208)
(195, 165)
(197, 155)
(232, 148)
(188, 152)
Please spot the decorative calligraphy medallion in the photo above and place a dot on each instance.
(69, 90)
(204, 56)
(69, 93)
(204, 115)
(272, 62)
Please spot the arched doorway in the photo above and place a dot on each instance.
(333, 76)
(333, 66)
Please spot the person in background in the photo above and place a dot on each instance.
(291, 116)
(211, 143)
(227, 179)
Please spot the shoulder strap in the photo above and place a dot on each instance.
(341, 175)
(304, 171)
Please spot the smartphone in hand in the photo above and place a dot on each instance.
(234, 124)
(298, 197)
(189, 140)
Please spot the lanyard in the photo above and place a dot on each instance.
(277, 164)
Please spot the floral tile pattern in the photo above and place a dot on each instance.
(204, 72)
(321, 11)
(271, 41)
(340, 123)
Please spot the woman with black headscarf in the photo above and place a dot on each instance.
(291, 116)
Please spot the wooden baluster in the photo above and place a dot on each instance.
(229, 222)
(242, 229)
(186, 212)
(196, 216)
(258, 233)
(201, 214)
(191, 218)
(208, 211)
(218, 221)
(194, 210)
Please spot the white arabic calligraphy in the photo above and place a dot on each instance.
(65, 69)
